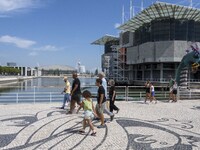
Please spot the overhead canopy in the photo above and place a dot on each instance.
(103, 40)
(161, 10)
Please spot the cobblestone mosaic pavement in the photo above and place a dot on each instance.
(161, 126)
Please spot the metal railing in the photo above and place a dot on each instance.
(126, 93)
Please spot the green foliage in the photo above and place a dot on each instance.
(9, 71)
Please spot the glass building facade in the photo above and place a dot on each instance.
(156, 39)
(166, 29)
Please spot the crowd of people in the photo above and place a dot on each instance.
(73, 96)
(150, 91)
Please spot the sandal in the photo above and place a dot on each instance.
(93, 133)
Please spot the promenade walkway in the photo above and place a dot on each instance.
(161, 126)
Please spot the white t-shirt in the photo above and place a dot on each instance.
(152, 88)
(104, 84)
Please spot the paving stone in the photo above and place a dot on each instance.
(137, 126)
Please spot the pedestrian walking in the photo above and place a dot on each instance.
(147, 87)
(152, 90)
(101, 102)
(89, 112)
(101, 76)
(66, 93)
(75, 93)
(170, 85)
(112, 96)
(174, 91)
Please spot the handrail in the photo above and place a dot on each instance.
(123, 93)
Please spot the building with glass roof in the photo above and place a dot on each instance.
(155, 41)
(157, 38)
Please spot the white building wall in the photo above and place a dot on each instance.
(82, 69)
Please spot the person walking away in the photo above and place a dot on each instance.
(75, 93)
(112, 96)
(66, 93)
(89, 112)
(101, 76)
(170, 85)
(174, 92)
(101, 102)
(147, 86)
(152, 90)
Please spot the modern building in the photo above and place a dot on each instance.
(80, 68)
(11, 64)
(113, 59)
(55, 70)
(24, 71)
(153, 43)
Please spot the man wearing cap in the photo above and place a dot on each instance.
(101, 76)
(66, 92)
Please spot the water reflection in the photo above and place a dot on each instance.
(44, 84)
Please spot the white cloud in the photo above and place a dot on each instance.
(117, 25)
(21, 43)
(48, 48)
(9, 6)
(33, 54)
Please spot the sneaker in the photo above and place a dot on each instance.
(117, 111)
(101, 126)
(112, 117)
(61, 107)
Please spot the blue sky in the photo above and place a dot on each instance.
(47, 32)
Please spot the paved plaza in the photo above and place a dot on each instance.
(161, 126)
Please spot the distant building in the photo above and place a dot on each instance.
(110, 60)
(24, 71)
(11, 64)
(55, 70)
(80, 68)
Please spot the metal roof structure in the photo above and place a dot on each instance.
(103, 40)
(160, 10)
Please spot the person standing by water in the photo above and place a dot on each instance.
(75, 93)
(66, 92)
(89, 112)
(101, 76)
(147, 86)
(112, 96)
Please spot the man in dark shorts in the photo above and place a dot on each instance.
(75, 93)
